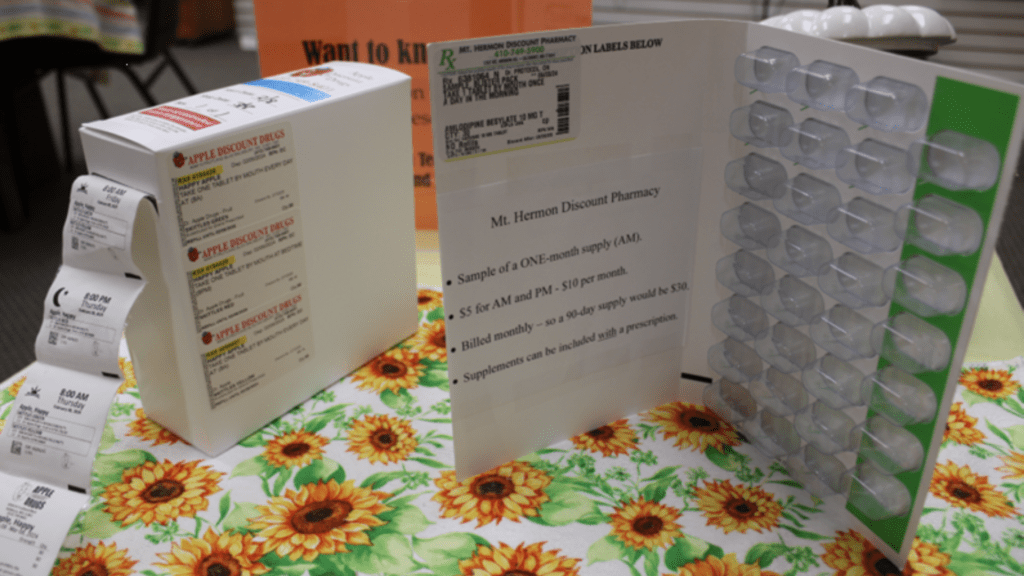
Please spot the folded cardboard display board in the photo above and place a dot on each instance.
(285, 242)
(799, 227)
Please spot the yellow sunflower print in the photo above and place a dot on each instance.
(393, 370)
(321, 518)
(610, 440)
(693, 426)
(962, 488)
(297, 448)
(642, 524)
(850, 554)
(728, 565)
(16, 387)
(993, 384)
(428, 299)
(129, 375)
(150, 431)
(510, 491)
(737, 507)
(505, 560)
(382, 438)
(926, 560)
(1014, 466)
(96, 559)
(430, 342)
(161, 491)
(960, 427)
(227, 554)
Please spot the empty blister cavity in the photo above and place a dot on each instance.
(835, 382)
(765, 69)
(801, 473)
(827, 469)
(821, 85)
(890, 447)
(854, 281)
(786, 348)
(793, 302)
(755, 176)
(844, 333)
(745, 273)
(828, 430)
(800, 252)
(940, 226)
(900, 396)
(808, 200)
(734, 360)
(865, 226)
(876, 494)
(761, 124)
(740, 318)
(911, 343)
(774, 435)
(925, 287)
(888, 105)
(750, 226)
(779, 392)
(875, 167)
(730, 401)
(815, 144)
(956, 161)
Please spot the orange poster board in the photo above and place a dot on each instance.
(395, 34)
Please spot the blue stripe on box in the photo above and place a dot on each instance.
(305, 92)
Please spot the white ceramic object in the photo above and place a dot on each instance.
(842, 22)
(930, 23)
(802, 21)
(888, 21)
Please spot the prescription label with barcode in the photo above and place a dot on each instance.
(511, 93)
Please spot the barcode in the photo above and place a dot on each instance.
(52, 340)
(16, 448)
(479, 86)
(562, 110)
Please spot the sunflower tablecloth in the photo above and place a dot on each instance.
(359, 480)
(112, 24)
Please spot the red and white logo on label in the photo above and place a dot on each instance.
(207, 337)
(311, 72)
(179, 159)
(193, 254)
(187, 118)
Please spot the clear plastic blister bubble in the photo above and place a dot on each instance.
(765, 69)
(892, 448)
(875, 167)
(745, 273)
(740, 318)
(900, 396)
(793, 302)
(940, 226)
(821, 85)
(730, 401)
(828, 469)
(734, 360)
(854, 281)
(774, 435)
(800, 252)
(803, 474)
(888, 105)
(844, 333)
(865, 226)
(779, 392)
(808, 200)
(876, 494)
(750, 226)
(828, 430)
(911, 343)
(835, 382)
(925, 287)
(755, 176)
(956, 161)
(786, 348)
(761, 124)
(815, 144)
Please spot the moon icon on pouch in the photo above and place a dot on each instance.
(56, 296)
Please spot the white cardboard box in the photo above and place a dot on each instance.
(285, 251)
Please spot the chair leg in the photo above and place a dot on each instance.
(178, 71)
(139, 86)
(65, 121)
(96, 100)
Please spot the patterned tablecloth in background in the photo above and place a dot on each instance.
(359, 480)
(110, 23)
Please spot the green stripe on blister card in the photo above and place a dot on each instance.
(983, 113)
